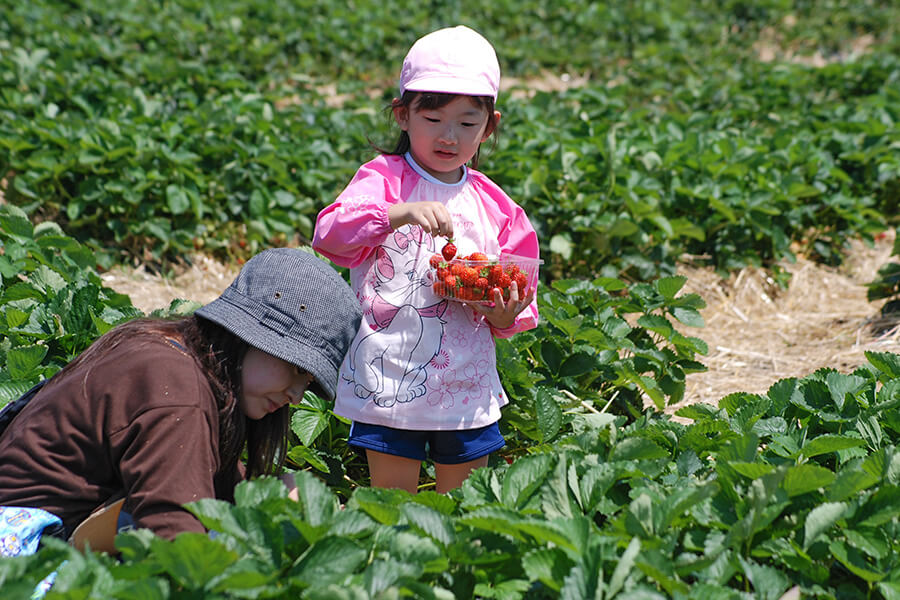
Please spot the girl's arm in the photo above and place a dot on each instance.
(348, 230)
(516, 236)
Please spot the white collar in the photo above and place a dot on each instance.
(431, 178)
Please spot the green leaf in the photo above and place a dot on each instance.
(547, 565)
(300, 455)
(855, 562)
(820, 519)
(624, 567)
(886, 362)
(523, 479)
(801, 479)
(549, 414)
(192, 559)
(670, 286)
(828, 443)
(689, 316)
(328, 561)
(22, 361)
(177, 200)
(430, 522)
(637, 448)
(307, 424)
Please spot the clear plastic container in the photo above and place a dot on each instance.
(473, 281)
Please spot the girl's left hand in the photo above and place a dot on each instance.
(503, 314)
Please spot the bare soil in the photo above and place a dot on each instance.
(757, 332)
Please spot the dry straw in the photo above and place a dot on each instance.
(759, 333)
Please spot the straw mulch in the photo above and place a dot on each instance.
(757, 333)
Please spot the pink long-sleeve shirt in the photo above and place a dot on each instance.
(419, 361)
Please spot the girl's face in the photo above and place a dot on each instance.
(268, 383)
(443, 139)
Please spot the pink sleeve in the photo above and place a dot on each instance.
(516, 236)
(350, 228)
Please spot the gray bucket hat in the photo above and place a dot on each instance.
(292, 305)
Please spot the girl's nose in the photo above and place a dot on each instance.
(448, 135)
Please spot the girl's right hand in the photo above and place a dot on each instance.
(432, 217)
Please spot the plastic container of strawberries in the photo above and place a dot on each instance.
(473, 280)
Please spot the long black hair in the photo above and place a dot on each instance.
(431, 101)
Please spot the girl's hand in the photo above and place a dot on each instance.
(432, 217)
(503, 314)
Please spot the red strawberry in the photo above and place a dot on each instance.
(435, 261)
(478, 256)
(450, 281)
(482, 282)
(449, 250)
(439, 288)
(456, 268)
(503, 281)
(494, 273)
(468, 276)
(521, 281)
(442, 272)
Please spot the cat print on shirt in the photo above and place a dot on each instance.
(389, 364)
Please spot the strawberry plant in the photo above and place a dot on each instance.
(795, 489)
(53, 303)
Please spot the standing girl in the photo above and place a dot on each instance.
(420, 380)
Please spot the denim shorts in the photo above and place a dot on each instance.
(443, 447)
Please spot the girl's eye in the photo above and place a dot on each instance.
(432, 120)
(469, 124)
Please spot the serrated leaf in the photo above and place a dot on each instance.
(22, 361)
(801, 479)
(308, 424)
(827, 443)
(193, 559)
(820, 519)
(549, 414)
(670, 286)
(637, 448)
(328, 561)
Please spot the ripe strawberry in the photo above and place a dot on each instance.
(456, 268)
(482, 282)
(521, 280)
(494, 273)
(512, 270)
(478, 256)
(468, 276)
(449, 250)
(435, 261)
(442, 272)
(439, 289)
(450, 281)
(477, 293)
(503, 281)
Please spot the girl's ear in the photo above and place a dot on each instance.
(491, 126)
(401, 115)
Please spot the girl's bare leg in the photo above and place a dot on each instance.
(389, 471)
(450, 477)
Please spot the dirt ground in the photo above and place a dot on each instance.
(757, 333)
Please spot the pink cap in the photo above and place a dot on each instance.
(455, 60)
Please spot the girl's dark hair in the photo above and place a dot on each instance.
(431, 101)
(220, 355)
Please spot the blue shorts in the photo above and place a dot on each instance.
(443, 447)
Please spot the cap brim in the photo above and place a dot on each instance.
(294, 350)
(447, 85)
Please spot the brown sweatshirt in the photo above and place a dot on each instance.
(139, 421)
